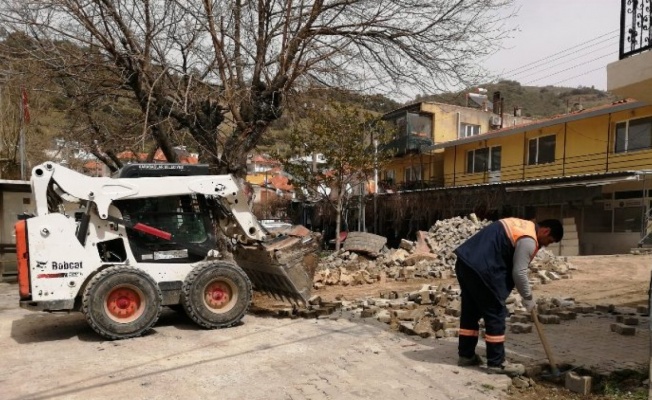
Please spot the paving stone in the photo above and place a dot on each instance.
(566, 315)
(605, 308)
(522, 318)
(644, 310)
(631, 321)
(384, 316)
(453, 312)
(520, 328)
(578, 384)
(623, 329)
(549, 319)
(369, 312)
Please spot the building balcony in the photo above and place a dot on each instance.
(631, 75)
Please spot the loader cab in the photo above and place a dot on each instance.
(187, 218)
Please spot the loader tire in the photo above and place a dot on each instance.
(121, 302)
(216, 294)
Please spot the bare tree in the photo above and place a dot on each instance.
(222, 69)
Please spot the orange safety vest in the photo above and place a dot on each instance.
(517, 228)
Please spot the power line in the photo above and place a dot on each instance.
(610, 46)
(564, 51)
(569, 68)
(577, 76)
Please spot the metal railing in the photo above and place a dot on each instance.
(635, 30)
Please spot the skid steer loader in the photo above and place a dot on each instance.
(119, 249)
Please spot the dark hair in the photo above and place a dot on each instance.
(556, 228)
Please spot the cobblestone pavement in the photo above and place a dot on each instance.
(585, 342)
(588, 342)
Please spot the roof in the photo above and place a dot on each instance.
(11, 185)
(622, 105)
(592, 179)
(417, 105)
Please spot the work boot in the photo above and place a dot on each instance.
(470, 361)
(507, 368)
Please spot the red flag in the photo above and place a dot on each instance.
(25, 106)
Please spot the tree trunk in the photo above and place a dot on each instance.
(338, 221)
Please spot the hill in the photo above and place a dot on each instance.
(534, 101)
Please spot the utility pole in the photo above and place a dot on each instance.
(24, 120)
(376, 186)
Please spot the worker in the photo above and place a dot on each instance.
(489, 265)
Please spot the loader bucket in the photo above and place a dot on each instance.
(282, 267)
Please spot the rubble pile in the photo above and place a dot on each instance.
(547, 267)
(365, 259)
(445, 235)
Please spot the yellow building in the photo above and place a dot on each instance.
(606, 148)
(420, 125)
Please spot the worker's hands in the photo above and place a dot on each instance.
(529, 304)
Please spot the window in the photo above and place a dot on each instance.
(541, 150)
(467, 130)
(414, 124)
(413, 173)
(635, 134)
(627, 219)
(389, 175)
(481, 160)
(419, 125)
(494, 159)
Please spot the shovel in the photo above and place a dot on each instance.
(546, 347)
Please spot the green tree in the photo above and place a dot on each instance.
(348, 139)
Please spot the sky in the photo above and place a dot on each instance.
(560, 43)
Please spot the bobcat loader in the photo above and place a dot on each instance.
(119, 249)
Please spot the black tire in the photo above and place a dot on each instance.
(216, 294)
(121, 302)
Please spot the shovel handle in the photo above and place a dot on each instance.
(544, 342)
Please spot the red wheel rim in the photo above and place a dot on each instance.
(220, 296)
(124, 303)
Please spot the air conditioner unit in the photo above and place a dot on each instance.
(495, 120)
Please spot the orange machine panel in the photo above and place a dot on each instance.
(23, 259)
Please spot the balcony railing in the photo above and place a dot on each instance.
(635, 31)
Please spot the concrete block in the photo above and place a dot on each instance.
(605, 308)
(520, 328)
(369, 312)
(566, 315)
(522, 318)
(384, 316)
(425, 297)
(452, 332)
(453, 312)
(578, 384)
(631, 321)
(623, 329)
(644, 310)
(403, 315)
(549, 319)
